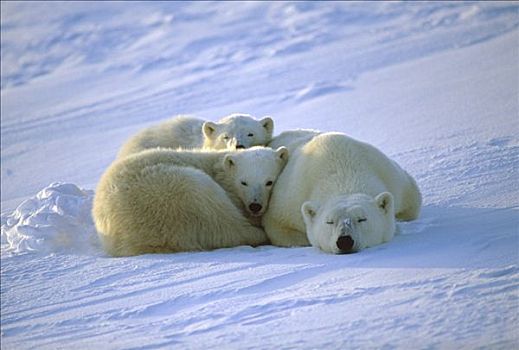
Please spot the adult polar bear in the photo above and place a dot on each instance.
(234, 131)
(338, 194)
(162, 200)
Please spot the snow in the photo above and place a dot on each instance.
(432, 84)
(45, 223)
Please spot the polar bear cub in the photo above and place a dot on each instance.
(231, 132)
(338, 194)
(163, 200)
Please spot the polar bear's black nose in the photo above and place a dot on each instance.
(255, 207)
(345, 243)
(240, 146)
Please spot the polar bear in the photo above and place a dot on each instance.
(234, 131)
(162, 200)
(338, 194)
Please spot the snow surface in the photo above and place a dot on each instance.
(434, 85)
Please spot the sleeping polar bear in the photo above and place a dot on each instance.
(337, 194)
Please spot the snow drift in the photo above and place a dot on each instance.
(57, 219)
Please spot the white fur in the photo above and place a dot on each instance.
(252, 178)
(237, 131)
(231, 132)
(366, 220)
(337, 176)
(162, 200)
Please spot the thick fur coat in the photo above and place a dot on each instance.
(323, 173)
(161, 200)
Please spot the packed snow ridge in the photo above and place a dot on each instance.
(57, 219)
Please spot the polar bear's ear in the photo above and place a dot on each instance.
(268, 124)
(385, 202)
(228, 162)
(282, 153)
(309, 210)
(208, 129)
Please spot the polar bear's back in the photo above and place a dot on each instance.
(195, 158)
(333, 163)
(350, 166)
(134, 208)
(292, 139)
(179, 132)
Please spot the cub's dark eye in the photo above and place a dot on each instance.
(362, 220)
(269, 183)
(250, 135)
(330, 222)
(226, 138)
(244, 183)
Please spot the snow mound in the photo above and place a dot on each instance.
(57, 219)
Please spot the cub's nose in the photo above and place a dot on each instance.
(345, 244)
(240, 146)
(255, 207)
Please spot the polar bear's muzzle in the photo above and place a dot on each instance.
(345, 242)
(255, 208)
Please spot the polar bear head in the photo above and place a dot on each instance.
(253, 173)
(237, 131)
(349, 223)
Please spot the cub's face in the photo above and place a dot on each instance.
(347, 224)
(237, 131)
(254, 172)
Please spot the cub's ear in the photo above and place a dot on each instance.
(385, 202)
(209, 128)
(268, 124)
(309, 210)
(282, 153)
(228, 162)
